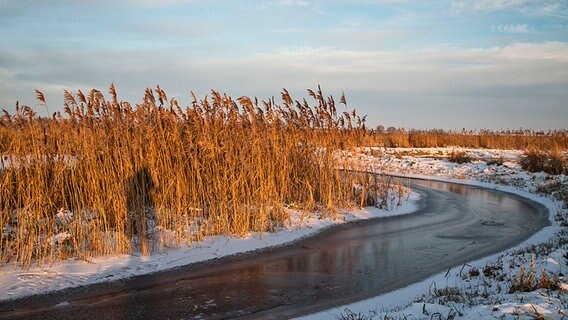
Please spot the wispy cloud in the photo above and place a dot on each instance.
(555, 8)
(512, 28)
(291, 3)
(487, 5)
(437, 68)
(410, 79)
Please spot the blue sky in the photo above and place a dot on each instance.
(451, 64)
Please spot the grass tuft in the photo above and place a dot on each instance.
(549, 162)
(459, 157)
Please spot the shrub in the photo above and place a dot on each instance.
(459, 157)
(529, 281)
(495, 162)
(549, 162)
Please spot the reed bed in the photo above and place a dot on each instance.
(550, 141)
(106, 177)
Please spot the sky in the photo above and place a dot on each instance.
(448, 64)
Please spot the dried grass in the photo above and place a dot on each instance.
(118, 174)
(505, 140)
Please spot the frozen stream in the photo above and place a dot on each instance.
(346, 263)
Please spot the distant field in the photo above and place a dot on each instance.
(550, 141)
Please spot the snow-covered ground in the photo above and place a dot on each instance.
(16, 282)
(476, 290)
(489, 288)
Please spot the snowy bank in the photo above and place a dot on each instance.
(485, 288)
(17, 283)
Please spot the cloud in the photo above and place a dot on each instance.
(399, 70)
(487, 5)
(292, 3)
(419, 69)
(512, 28)
(450, 80)
(556, 8)
(143, 3)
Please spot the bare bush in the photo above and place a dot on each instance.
(549, 162)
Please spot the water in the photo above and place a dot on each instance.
(351, 262)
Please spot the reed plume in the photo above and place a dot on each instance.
(107, 177)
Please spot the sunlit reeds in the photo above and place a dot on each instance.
(553, 140)
(107, 177)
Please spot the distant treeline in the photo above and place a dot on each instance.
(510, 139)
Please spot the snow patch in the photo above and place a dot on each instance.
(17, 283)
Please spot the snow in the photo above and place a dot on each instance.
(459, 292)
(17, 283)
(476, 290)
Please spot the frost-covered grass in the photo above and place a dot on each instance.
(526, 282)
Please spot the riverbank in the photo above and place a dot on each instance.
(17, 283)
(342, 264)
(474, 290)
(525, 282)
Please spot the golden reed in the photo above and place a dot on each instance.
(107, 177)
